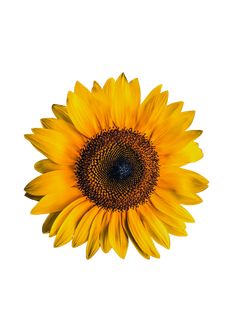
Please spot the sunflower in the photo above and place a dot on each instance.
(113, 169)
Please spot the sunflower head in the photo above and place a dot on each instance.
(113, 169)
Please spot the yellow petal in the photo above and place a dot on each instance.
(145, 255)
(135, 96)
(187, 118)
(54, 202)
(83, 115)
(165, 118)
(146, 113)
(68, 129)
(140, 234)
(184, 198)
(47, 225)
(96, 87)
(93, 242)
(117, 235)
(59, 180)
(170, 208)
(160, 109)
(81, 90)
(66, 231)
(121, 104)
(152, 113)
(173, 225)
(174, 108)
(108, 88)
(124, 101)
(175, 231)
(63, 214)
(172, 125)
(154, 226)
(175, 141)
(138, 248)
(193, 199)
(151, 96)
(174, 222)
(61, 112)
(177, 120)
(82, 230)
(33, 197)
(104, 238)
(54, 145)
(102, 99)
(190, 153)
(46, 165)
(182, 184)
(196, 181)
(171, 195)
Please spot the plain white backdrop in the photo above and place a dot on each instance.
(188, 46)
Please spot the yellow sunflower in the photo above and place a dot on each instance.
(113, 169)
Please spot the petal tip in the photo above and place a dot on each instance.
(35, 211)
(27, 136)
(122, 77)
(74, 244)
(56, 244)
(26, 188)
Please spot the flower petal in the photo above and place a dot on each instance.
(167, 220)
(135, 96)
(152, 95)
(81, 90)
(117, 235)
(173, 125)
(66, 231)
(175, 141)
(190, 153)
(47, 225)
(63, 214)
(182, 184)
(93, 242)
(170, 208)
(61, 112)
(104, 238)
(82, 230)
(153, 110)
(33, 197)
(53, 181)
(54, 202)
(56, 146)
(60, 125)
(154, 226)
(174, 108)
(96, 87)
(108, 88)
(103, 98)
(187, 118)
(124, 101)
(176, 231)
(140, 234)
(83, 115)
(173, 225)
(121, 103)
(46, 165)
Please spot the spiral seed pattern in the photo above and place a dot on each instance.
(117, 169)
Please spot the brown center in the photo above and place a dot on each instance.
(117, 169)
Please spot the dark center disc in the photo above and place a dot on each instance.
(117, 169)
(121, 170)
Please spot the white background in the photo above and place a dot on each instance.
(189, 47)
